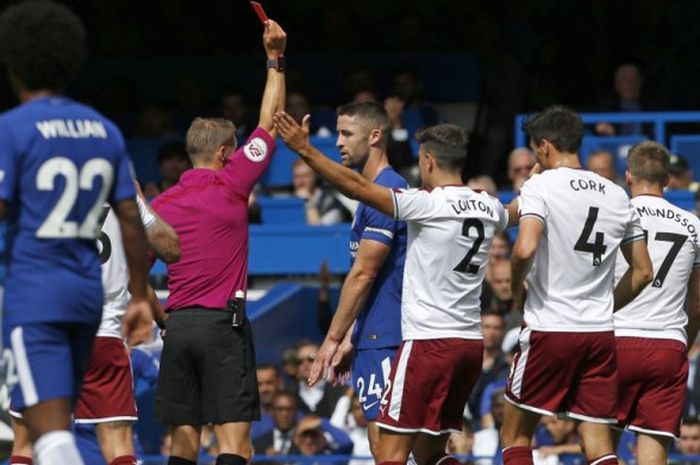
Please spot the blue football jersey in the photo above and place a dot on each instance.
(379, 322)
(59, 162)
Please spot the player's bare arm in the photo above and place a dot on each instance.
(161, 239)
(693, 306)
(368, 261)
(275, 42)
(137, 320)
(524, 250)
(637, 276)
(349, 182)
(513, 215)
(159, 315)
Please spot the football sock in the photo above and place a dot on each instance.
(180, 461)
(124, 460)
(443, 459)
(517, 455)
(609, 459)
(20, 460)
(57, 448)
(230, 459)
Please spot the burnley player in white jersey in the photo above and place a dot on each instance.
(653, 331)
(572, 223)
(107, 396)
(450, 228)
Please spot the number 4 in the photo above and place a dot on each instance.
(597, 248)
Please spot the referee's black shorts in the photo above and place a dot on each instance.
(207, 370)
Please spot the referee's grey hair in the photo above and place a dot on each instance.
(447, 143)
(206, 135)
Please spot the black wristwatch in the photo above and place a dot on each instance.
(277, 64)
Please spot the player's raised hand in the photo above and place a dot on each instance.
(274, 39)
(322, 363)
(137, 325)
(296, 137)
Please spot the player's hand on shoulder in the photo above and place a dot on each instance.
(137, 325)
(296, 137)
(274, 39)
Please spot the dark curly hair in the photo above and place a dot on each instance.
(42, 43)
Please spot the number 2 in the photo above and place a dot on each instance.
(55, 226)
(465, 266)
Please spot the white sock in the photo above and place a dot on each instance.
(57, 448)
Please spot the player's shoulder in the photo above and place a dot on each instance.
(390, 178)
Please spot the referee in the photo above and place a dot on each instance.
(207, 371)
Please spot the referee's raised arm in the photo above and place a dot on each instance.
(275, 41)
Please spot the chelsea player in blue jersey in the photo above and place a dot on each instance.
(371, 294)
(60, 161)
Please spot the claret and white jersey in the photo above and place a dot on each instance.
(449, 234)
(658, 312)
(115, 276)
(586, 217)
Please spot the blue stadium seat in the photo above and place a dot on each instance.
(681, 199)
(688, 146)
(617, 145)
(276, 210)
(279, 173)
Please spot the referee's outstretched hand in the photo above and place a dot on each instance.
(137, 325)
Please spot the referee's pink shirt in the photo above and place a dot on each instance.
(209, 212)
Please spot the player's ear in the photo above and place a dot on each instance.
(375, 135)
(628, 178)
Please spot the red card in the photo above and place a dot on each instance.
(259, 11)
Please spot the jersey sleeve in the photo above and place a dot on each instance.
(249, 162)
(123, 175)
(379, 227)
(8, 165)
(531, 203)
(634, 231)
(412, 204)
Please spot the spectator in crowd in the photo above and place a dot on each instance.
(235, 109)
(680, 175)
(280, 439)
(290, 367)
(172, 162)
(487, 442)
(500, 247)
(407, 86)
(502, 300)
(483, 183)
(628, 84)
(155, 121)
(348, 417)
(564, 448)
(520, 163)
(494, 365)
(269, 383)
(315, 436)
(322, 397)
(322, 205)
(298, 106)
(689, 441)
(602, 163)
